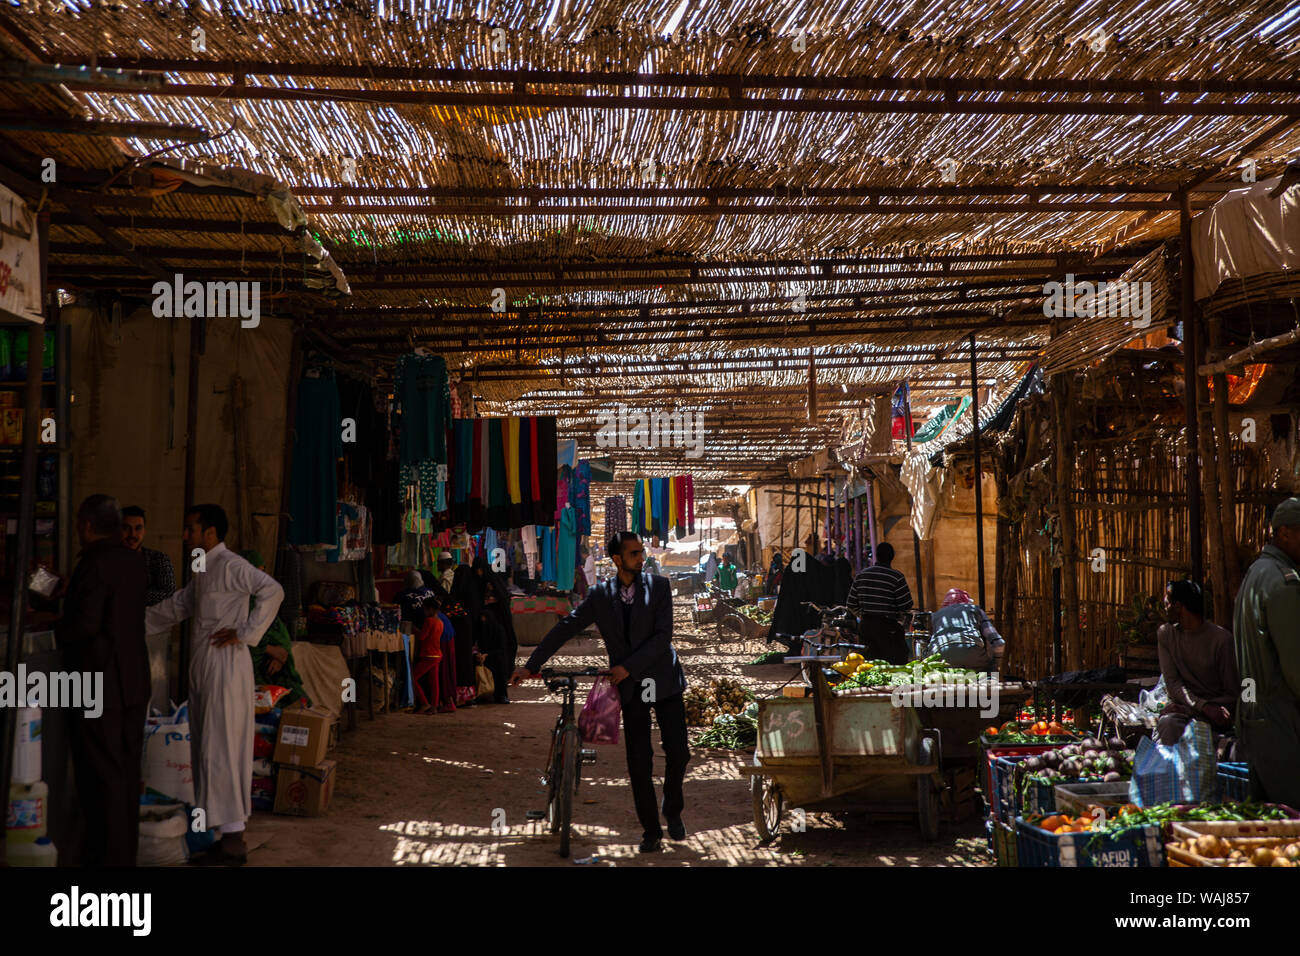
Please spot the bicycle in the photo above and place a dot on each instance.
(561, 776)
(837, 622)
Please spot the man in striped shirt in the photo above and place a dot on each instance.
(881, 599)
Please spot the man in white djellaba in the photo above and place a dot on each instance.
(221, 673)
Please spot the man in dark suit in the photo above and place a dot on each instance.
(634, 613)
(102, 631)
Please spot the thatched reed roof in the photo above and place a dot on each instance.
(717, 188)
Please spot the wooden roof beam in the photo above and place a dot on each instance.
(426, 210)
(76, 126)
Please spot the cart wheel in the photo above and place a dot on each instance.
(927, 797)
(767, 807)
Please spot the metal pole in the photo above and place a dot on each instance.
(916, 538)
(855, 530)
(1187, 316)
(871, 517)
(979, 483)
(26, 513)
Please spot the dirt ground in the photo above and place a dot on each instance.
(426, 791)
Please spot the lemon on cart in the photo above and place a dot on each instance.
(864, 667)
(855, 659)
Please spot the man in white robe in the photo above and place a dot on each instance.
(220, 673)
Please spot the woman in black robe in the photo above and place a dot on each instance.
(498, 626)
(464, 597)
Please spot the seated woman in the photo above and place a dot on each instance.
(964, 635)
(273, 656)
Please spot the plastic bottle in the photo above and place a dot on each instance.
(25, 820)
(39, 852)
(27, 746)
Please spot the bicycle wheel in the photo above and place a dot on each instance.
(553, 771)
(570, 754)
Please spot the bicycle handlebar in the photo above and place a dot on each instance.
(548, 673)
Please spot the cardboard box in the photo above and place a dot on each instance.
(305, 791)
(334, 735)
(303, 737)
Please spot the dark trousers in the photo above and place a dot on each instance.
(670, 714)
(106, 754)
(884, 639)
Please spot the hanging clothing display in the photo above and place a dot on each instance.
(502, 473)
(567, 548)
(548, 554)
(529, 537)
(562, 488)
(317, 445)
(615, 515)
(423, 406)
(659, 505)
(580, 496)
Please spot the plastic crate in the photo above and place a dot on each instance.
(1005, 847)
(991, 754)
(1234, 781)
(1139, 846)
(1002, 795)
(1075, 798)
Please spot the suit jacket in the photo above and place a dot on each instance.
(645, 650)
(102, 628)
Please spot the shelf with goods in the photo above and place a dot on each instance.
(52, 532)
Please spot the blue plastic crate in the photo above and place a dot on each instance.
(1140, 846)
(1003, 798)
(1234, 781)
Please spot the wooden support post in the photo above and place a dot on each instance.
(1064, 455)
(1187, 316)
(1227, 482)
(1213, 514)
(197, 330)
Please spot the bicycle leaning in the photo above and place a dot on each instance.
(561, 776)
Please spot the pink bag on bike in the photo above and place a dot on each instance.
(598, 722)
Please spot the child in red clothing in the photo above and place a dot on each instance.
(428, 656)
(436, 663)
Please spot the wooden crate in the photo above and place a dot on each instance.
(1246, 836)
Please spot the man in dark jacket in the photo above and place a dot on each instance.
(1266, 631)
(634, 613)
(102, 631)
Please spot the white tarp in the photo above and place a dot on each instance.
(922, 480)
(1246, 233)
(20, 260)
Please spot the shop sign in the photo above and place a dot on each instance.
(20, 260)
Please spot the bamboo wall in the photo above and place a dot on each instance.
(1130, 500)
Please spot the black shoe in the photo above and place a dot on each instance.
(219, 857)
(676, 829)
(502, 699)
(651, 845)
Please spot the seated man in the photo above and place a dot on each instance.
(964, 635)
(1198, 664)
(273, 654)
